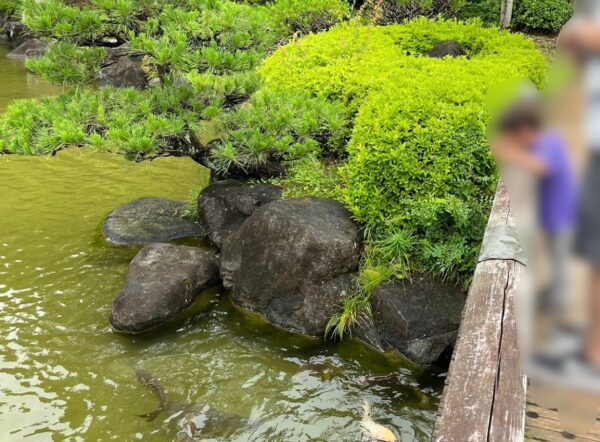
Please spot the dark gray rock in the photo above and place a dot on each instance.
(292, 262)
(448, 48)
(29, 48)
(149, 220)
(224, 206)
(163, 280)
(123, 73)
(419, 318)
(16, 32)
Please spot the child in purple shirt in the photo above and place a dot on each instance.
(522, 142)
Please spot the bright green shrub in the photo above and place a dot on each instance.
(419, 167)
(67, 63)
(546, 16)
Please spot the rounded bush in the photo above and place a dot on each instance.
(418, 165)
(546, 16)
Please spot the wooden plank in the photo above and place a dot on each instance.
(484, 396)
(467, 400)
(508, 413)
(545, 435)
(539, 417)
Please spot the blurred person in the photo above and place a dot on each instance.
(580, 38)
(524, 142)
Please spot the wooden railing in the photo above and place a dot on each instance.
(484, 396)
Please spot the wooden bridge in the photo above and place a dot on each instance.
(485, 397)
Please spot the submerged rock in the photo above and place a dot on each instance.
(163, 280)
(292, 262)
(419, 318)
(123, 73)
(149, 220)
(29, 48)
(225, 205)
(448, 48)
(16, 32)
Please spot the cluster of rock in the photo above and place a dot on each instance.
(292, 261)
(120, 68)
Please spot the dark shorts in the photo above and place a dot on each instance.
(587, 233)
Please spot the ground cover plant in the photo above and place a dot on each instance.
(203, 51)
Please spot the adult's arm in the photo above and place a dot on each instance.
(580, 35)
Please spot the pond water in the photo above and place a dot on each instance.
(64, 375)
(18, 82)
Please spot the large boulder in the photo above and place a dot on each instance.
(149, 220)
(224, 206)
(448, 48)
(16, 32)
(292, 262)
(123, 73)
(163, 280)
(29, 48)
(418, 317)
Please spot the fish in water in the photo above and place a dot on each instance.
(195, 420)
(375, 431)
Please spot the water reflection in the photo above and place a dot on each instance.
(17, 82)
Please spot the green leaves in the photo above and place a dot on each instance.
(280, 126)
(418, 174)
(547, 16)
(68, 64)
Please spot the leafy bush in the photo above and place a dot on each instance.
(386, 12)
(488, 11)
(419, 168)
(306, 16)
(545, 16)
(68, 63)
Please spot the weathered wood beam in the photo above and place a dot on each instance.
(484, 396)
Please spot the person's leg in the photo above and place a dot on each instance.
(592, 349)
(557, 301)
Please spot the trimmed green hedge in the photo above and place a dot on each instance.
(419, 173)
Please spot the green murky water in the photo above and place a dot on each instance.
(64, 375)
(17, 82)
